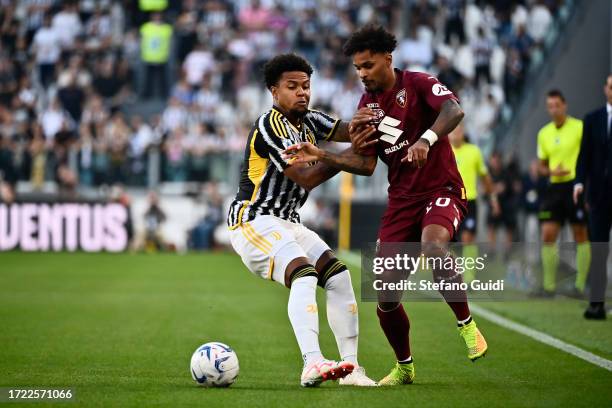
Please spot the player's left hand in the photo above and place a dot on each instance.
(417, 154)
(300, 153)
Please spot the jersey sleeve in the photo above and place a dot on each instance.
(269, 142)
(542, 151)
(323, 125)
(432, 91)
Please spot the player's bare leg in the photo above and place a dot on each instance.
(434, 244)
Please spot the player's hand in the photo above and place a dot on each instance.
(364, 116)
(578, 189)
(361, 138)
(302, 153)
(417, 154)
(559, 171)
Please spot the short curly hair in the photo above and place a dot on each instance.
(370, 37)
(274, 68)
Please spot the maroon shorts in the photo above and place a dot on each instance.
(405, 219)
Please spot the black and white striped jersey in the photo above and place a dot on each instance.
(264, 189)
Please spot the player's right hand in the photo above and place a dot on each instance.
(363, 116)
(578, 189)
(302, 153)
(361, 138)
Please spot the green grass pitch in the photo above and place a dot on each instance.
(120, 330)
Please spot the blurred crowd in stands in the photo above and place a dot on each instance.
(103, 92)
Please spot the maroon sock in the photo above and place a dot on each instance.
(395, 325)
(456, 299)
(460, 309)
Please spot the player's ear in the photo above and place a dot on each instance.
(274, 92)
(389, 59)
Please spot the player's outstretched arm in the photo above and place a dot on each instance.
(449, 117)
(310, 176)
(346, 160)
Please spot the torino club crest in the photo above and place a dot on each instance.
(376, 109)
(400, 98)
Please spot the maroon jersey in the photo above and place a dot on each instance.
(404, 114)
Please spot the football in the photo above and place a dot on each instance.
(214, 365)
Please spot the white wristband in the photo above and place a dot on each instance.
(430, 136)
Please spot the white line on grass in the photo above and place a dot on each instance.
(542, 337)
(547, 339)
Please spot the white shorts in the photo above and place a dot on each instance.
(268, 243)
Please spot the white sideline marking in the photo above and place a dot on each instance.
(542, 337)
(493, 317)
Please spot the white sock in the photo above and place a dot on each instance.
(342, 314)
(304, 316)
(406, 361)
(464, 322)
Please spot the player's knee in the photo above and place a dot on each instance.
(388, 306)
(434, 248)
(333, 267)
(299, 268)
(580, 233)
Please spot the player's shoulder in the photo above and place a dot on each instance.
(472, 148)
(574, 122)
(547, 130)
(419, 77)
(270, 123)
(318, 115)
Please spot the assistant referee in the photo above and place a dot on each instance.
(558, 149)
(472, 167)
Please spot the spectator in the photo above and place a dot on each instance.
(539, 22)
(67, 25)
(448, 75)
(47, 47)
(53, 120)
(202, 235)
(453, 29)
(156, 37)
(327, 87)
(174, 116)
(254, 17)
(198, 63)
(533, 186)
(141, 138)
(504, 187)
(154, 217)
(8, 81)
(117, 136)
(482, 47)
(175, 153)
(72, 98)
(415, 51)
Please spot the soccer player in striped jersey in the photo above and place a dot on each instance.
(265, 225)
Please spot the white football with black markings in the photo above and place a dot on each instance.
(214, 365)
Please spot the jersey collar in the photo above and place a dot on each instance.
(296, 128)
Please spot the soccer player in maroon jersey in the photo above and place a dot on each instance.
(404, 119)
